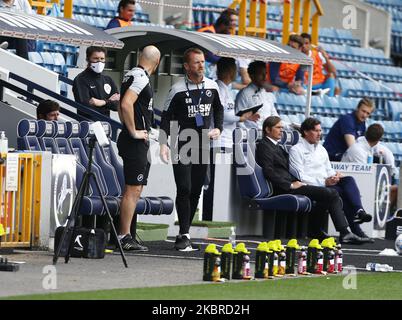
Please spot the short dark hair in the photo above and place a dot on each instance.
(189, 51)
(225, 65)
(298, 39)
(45, 107)
(254, 66)
(374, 132)
(367, 102)
(92, 49)
(270, 122)
(124, 3)
(305, 35)
(309, 124)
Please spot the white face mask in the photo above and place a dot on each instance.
(97, 66)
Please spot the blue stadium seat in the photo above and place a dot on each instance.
(256, 189)
(46, 133)
(35, 57)
(26, 135)
(59, 63)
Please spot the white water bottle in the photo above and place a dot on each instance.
(3, 142)
(378, 267)
(232, 237)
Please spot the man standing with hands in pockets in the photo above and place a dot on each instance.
(191, 105)
(136, 114)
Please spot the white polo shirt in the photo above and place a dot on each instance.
(252, 96)
(310, 163)
(229, 118)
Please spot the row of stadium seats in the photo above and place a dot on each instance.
(54, 61)
(367, 88)
(288, 103)
(356, 54)
(274, 24)
(378, 72)
(394, 7)
(386, 3)
(72, 138)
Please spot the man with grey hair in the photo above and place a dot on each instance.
(136, 114)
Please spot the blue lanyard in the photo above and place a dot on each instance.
(201, 94)
(198, 117)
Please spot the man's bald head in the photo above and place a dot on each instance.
(150, 55)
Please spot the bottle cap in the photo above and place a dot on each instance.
(241, 247)
(228, 248)
(329, 243)
(293, 244)
(273, 246)
(263, 246)
(314, 244)
(279, 245)
(211, 248)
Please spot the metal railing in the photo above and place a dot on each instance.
(20, 206)
(305, 18)
(41, 6)
(258, 11)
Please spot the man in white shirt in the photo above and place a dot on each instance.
(369, 145)
(255, 94)
(309, 162)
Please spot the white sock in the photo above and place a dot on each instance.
(187, 235)
(121, 236)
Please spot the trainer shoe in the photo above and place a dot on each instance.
(350, 238)
(130, 244)
(364, 237)
(362, 216)
(183, 243)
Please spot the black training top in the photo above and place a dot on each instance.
(185, 106)
(89, 84)
(137, 80)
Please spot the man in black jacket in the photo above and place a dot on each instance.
(191, 105)
(93, 89)
(275, 164)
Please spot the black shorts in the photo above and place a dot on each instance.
(135, 172)
(135, 160)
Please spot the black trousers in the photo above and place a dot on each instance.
(326, 199)
(189, 180)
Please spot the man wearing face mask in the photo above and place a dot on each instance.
(93, 89)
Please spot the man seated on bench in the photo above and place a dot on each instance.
(310, 162)
(274, 162)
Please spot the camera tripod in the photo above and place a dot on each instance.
(71, 219)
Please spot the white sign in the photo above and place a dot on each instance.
(12, 172)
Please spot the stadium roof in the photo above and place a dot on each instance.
(46, 28)
(219, 44)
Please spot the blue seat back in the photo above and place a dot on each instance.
(252, 182)
(26, 135)
(46, 133)
(107, 169)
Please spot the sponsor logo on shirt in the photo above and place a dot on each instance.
(107, 88)
(203, 109)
